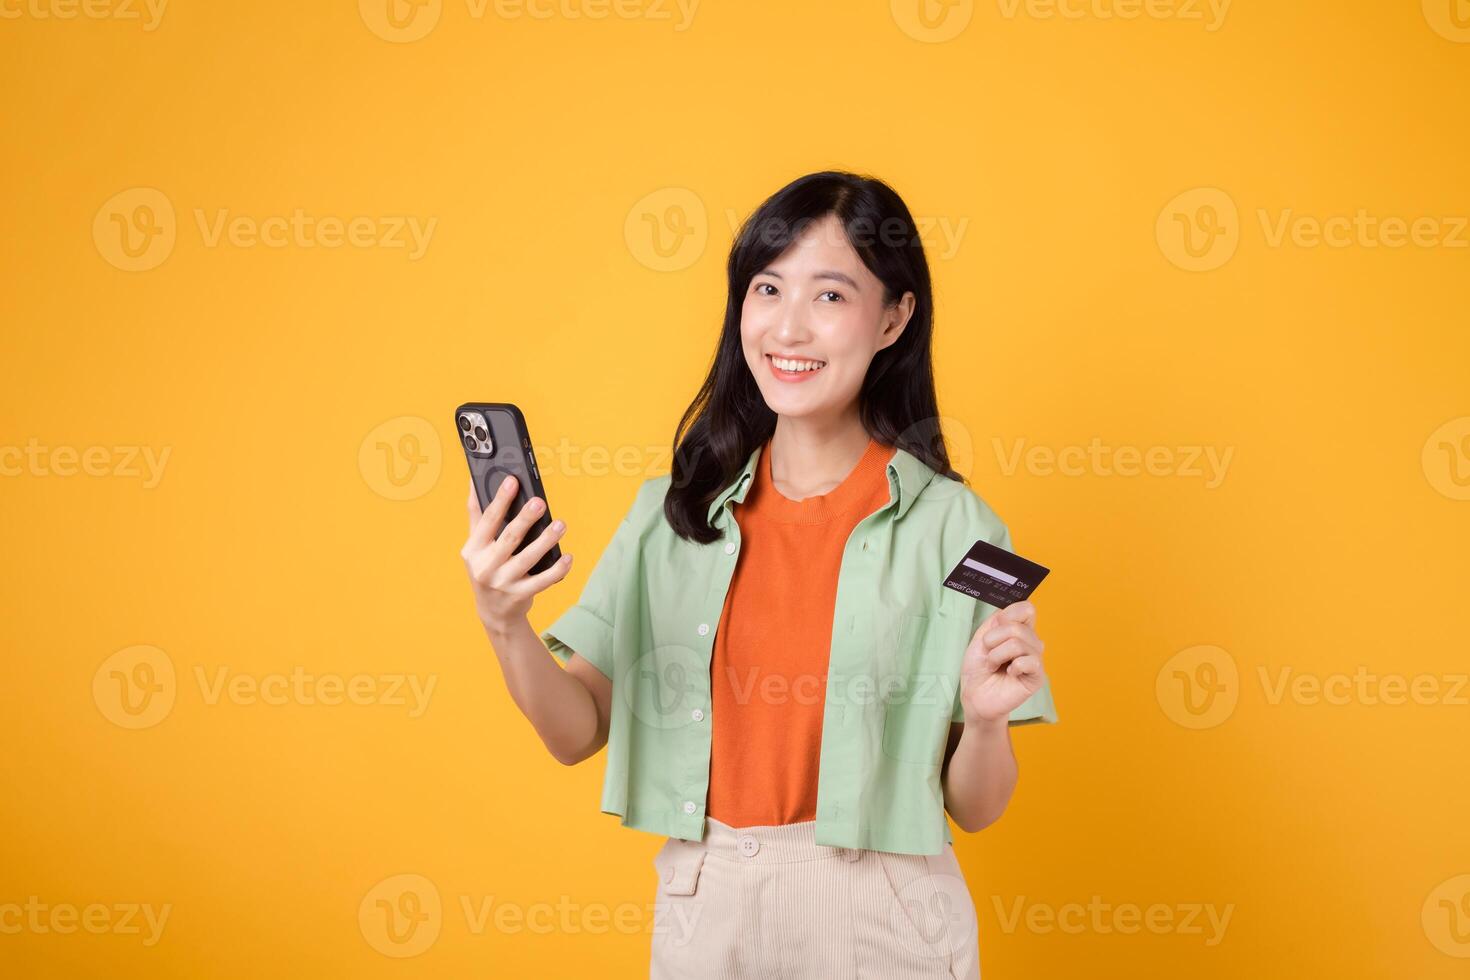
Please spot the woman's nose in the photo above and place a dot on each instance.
(791, 328)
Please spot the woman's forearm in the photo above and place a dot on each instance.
(556, 703)
(981, 774)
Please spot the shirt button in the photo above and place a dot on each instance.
(703, 629)
(689, 806)
(749, 845)
(730, 548)
(697, 714)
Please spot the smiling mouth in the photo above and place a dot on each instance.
(794, 367)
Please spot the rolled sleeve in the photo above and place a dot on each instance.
(1038, 707)
(586, 628)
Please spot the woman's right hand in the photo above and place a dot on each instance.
(498, 576)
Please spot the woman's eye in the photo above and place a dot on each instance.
(832, 292)
(758, 288)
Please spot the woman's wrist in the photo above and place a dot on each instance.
(500, 630)
(986, 726)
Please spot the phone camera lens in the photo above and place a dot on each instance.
(469, 443)
(464, 423)
(480, 433)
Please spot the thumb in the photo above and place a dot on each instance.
(974, 659)
(986, 625)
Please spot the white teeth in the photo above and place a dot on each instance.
(786, 364)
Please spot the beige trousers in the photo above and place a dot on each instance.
(771, 903)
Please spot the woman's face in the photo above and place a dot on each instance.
(820, 306)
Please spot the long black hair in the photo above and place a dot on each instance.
(729, 417)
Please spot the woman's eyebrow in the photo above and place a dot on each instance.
(823, 274)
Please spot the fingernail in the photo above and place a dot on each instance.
(557, 525)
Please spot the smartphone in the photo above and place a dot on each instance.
(496, 445)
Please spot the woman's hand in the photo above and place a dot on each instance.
(503, 590)
(1002, 665)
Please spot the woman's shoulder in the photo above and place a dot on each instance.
(958, 510)
(648, 504)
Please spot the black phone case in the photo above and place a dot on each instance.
(511, 455)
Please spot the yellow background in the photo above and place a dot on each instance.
(547, 149)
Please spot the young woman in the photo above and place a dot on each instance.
(786, 690)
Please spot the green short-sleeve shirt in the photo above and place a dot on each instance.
(647, 618)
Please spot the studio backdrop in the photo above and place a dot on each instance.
(1200, 340)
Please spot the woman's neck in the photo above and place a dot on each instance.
(810, 458)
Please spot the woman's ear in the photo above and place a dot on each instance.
(895, 318)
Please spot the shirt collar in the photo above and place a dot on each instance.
(907, 476)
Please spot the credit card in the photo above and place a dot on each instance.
(994, 575)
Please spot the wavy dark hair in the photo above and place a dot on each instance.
(729, 417)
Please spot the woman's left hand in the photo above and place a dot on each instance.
(1002, 665)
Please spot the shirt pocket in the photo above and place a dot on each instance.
(916, 713)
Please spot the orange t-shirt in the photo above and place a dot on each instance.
(768, 672)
